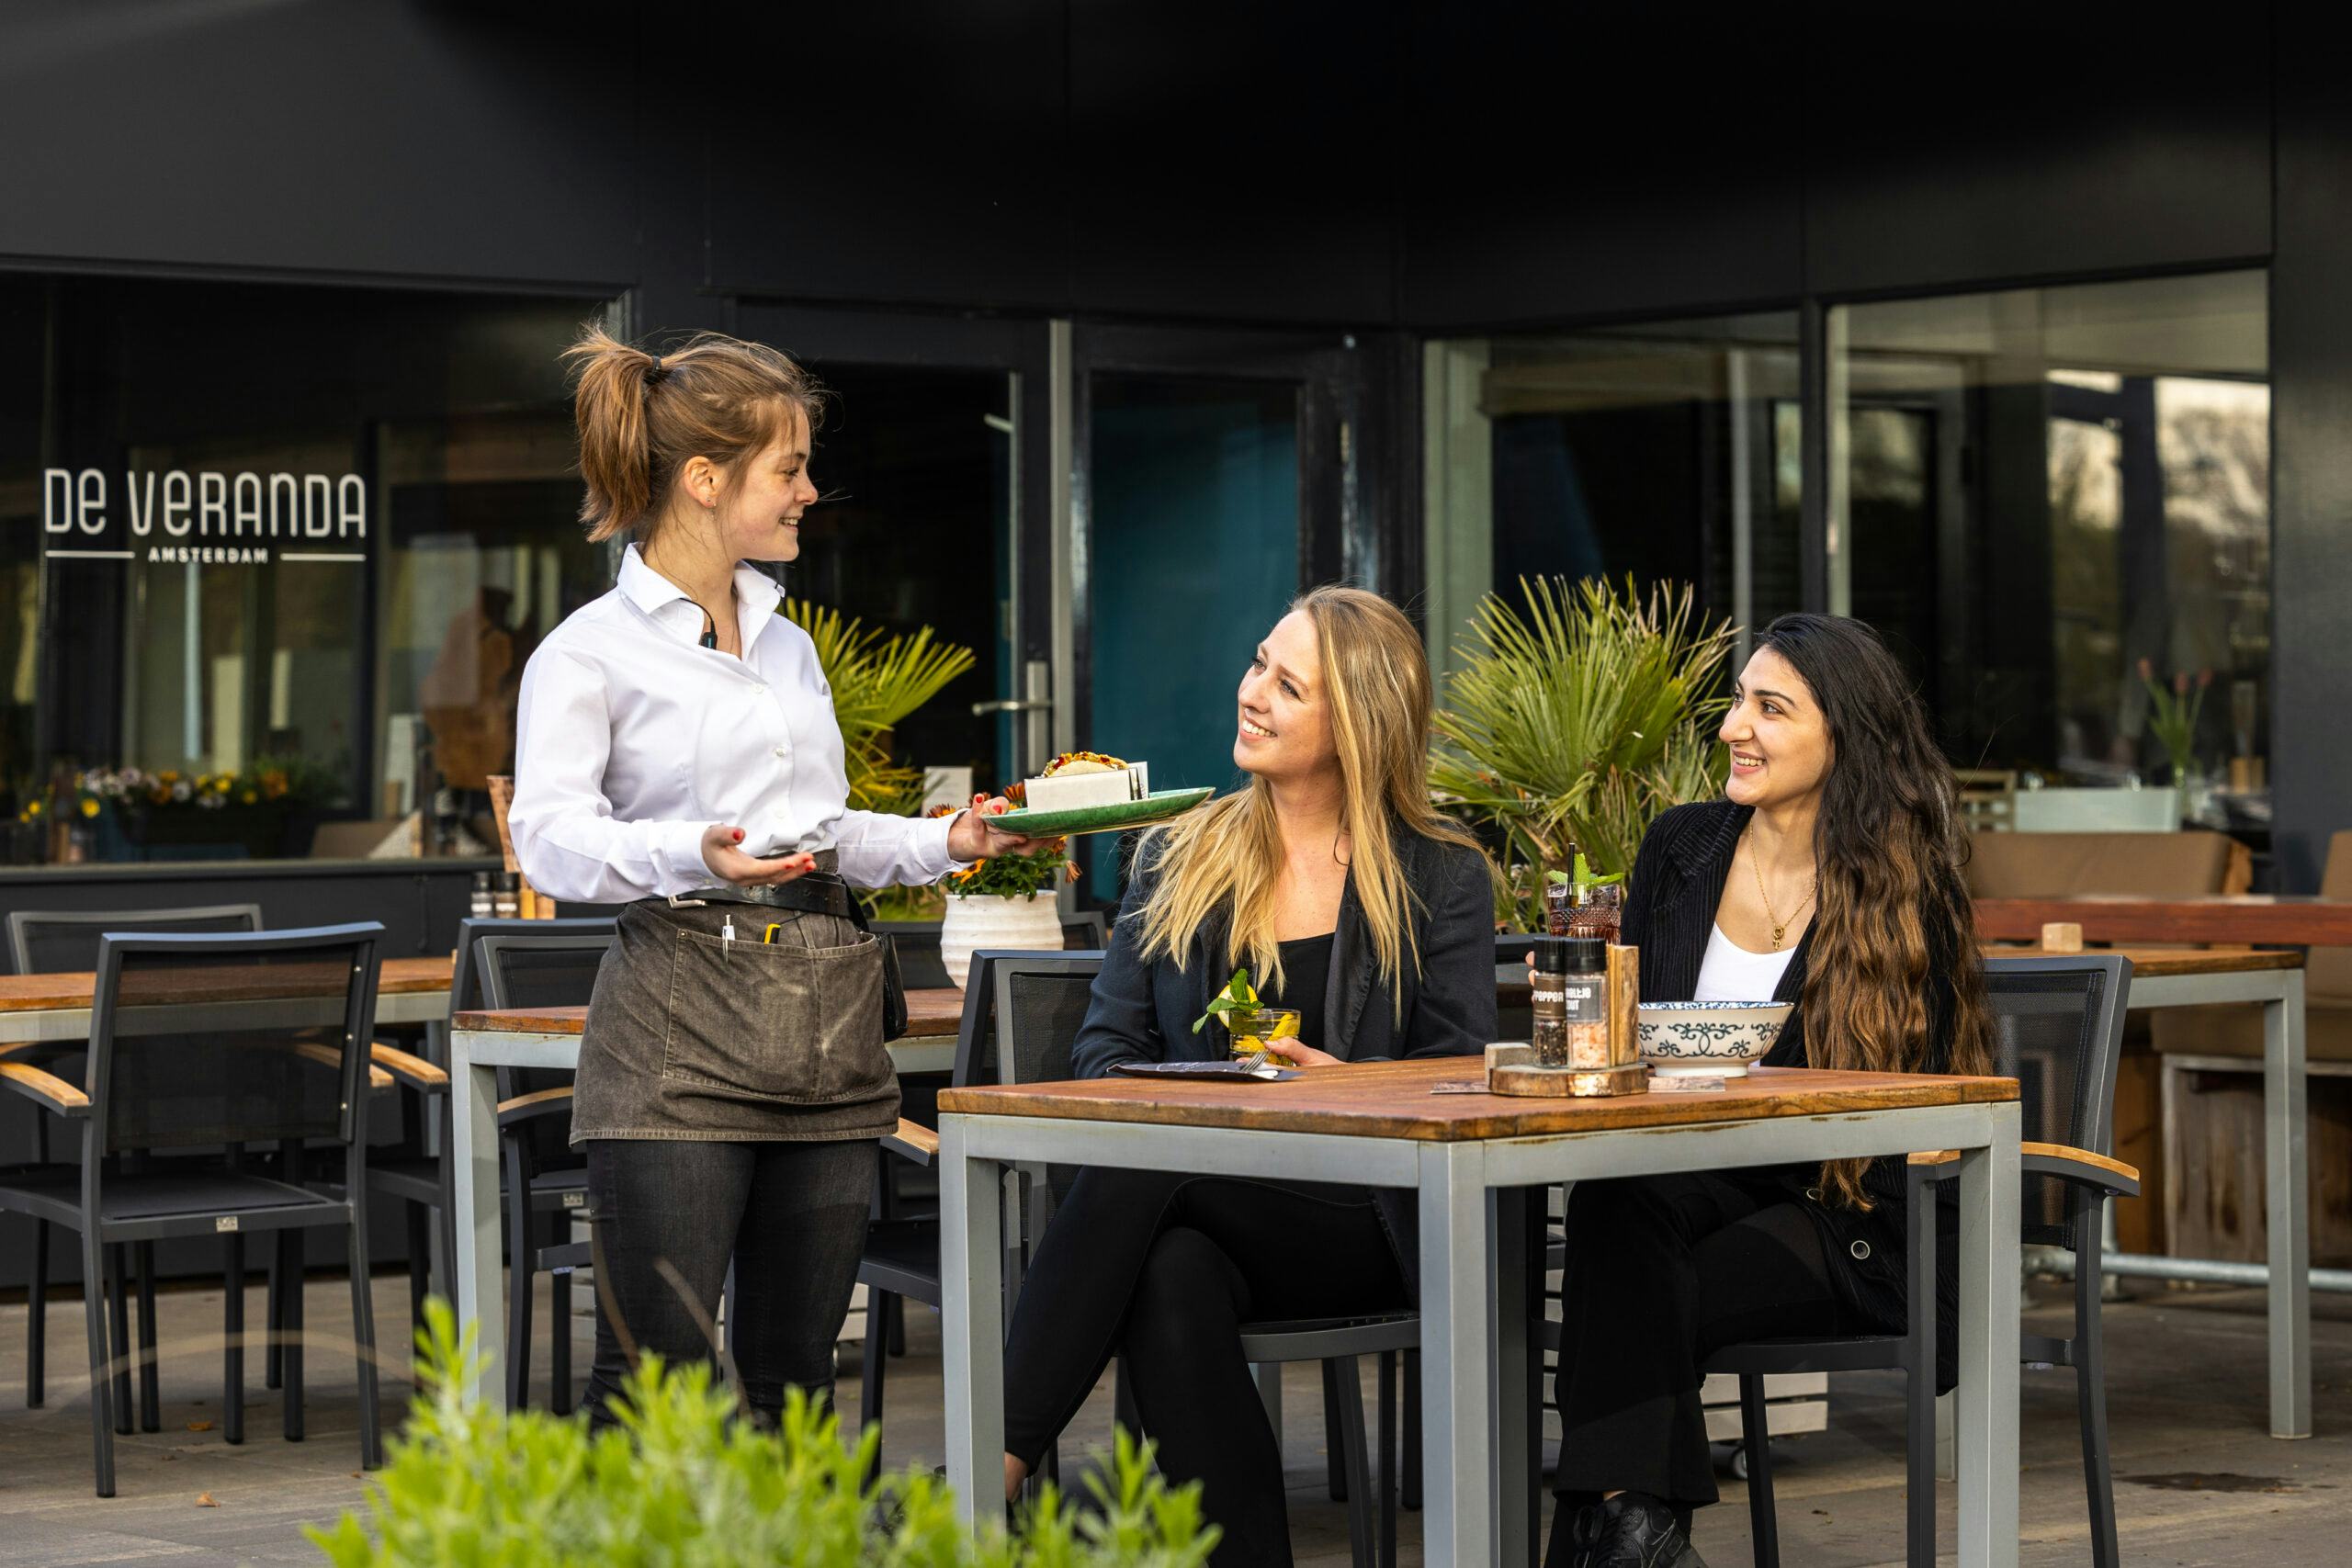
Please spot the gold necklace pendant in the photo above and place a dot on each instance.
(1773, 916)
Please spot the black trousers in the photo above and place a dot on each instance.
(671, 1214)
(1662, 1272)
(1168, 1267)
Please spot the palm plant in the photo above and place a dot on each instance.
(1572, 725)
(877, 679)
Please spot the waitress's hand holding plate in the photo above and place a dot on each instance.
(976, 836)
(722, 851)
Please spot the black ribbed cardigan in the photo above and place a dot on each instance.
(1676, 886)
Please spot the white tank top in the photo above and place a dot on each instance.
(1730, 974)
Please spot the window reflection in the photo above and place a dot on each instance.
(1666, 451)
(271, 559)
(2056, 506)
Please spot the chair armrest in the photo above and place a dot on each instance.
(524, 1108)
(2082, 1169)
(912, 1141)
(45, 1089)
(2078, 1166)
(406, 1067)
(328, 1056)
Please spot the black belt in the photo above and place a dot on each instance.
(818, 893)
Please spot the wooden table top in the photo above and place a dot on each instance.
(2158, 963)
(933, 1013)
(1392, 1100)
(55, 993)
(2288, 920)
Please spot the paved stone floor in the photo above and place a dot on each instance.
(2198, 1481)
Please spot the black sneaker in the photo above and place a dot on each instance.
(1632, 1530)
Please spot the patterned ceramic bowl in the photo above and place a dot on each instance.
(1710, 1039)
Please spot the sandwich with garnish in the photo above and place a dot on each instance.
(1078, 779)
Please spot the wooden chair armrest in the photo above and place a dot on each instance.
(408, 1068)
(523, 1108)
(912, 1141)
(2059, 1160)
(328, 1056)
(2081, 1168)
(45, 1089)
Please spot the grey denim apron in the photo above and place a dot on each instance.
(693, 1037)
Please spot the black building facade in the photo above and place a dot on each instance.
(2023, 339)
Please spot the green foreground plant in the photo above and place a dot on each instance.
(683, 1479)
(1574, 725)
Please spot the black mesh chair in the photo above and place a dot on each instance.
(901, 1192)
(202, 1049)
(65, 941)
(1022, 1014)
(417, 1174)
(546, 1179)
(2059, 1031)
(901, 1257)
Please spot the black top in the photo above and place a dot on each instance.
(1143, 1011)
(1306, 975)
(1677, 883)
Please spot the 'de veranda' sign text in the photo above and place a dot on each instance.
(176, 515)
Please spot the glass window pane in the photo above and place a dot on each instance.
(1669, 451)
(271, 561)
(2057, 509)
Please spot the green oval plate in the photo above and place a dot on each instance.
(1157, 807)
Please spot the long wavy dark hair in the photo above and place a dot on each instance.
(1893, 917)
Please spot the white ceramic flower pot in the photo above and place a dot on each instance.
(986, 919)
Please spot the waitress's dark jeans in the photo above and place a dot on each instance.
(1168, 1267)
(669, 1216)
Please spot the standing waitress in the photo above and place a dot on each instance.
(677, 752)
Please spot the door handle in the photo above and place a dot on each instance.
(981, 710)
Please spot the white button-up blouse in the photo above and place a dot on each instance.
(632, 739)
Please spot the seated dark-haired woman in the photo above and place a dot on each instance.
(1829, 876)
(1349, 900)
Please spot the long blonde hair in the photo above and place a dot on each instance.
(1226, 857)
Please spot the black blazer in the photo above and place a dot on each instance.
(1677, 882)
(1143, 1011)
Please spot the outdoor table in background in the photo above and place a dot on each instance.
(481, 1042)
(2173, 977)
(1473, 1160)
(41, 1007)
(2250, 918)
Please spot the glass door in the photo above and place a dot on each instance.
(1214, 477)
(926, 520)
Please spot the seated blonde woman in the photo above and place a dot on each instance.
(1349, 900)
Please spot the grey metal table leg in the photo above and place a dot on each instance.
(1507, 1224)
(1458, 1468)
(473, 1128)
(1985, 1403)
(972, 1267)
(2288, 1194)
